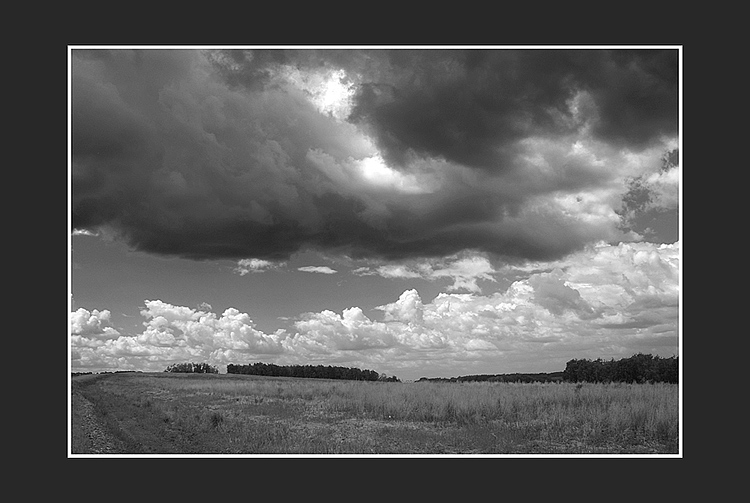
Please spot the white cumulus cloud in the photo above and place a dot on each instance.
(253, 265)
(93, 323)
(172, 333)
(605, 301)
(318, 269)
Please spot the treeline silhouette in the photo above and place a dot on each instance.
(74, 374)
(311, 371)
(639, 368)
(192, 368)
(517, 377)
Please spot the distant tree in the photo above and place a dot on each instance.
(205, 368)
(180, 367)
(192, 368)
(384, 378)
(639, 368)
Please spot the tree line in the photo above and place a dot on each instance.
(639, 368)
(74, 374)
(192, 368)
(311, 371)
(516, 377)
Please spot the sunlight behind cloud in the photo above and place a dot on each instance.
(331, 91)
(334, 95)
(374, 171)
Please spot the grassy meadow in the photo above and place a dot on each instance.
(167, 413)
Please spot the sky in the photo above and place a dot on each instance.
(420, 212)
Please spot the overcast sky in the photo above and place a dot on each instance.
(418, 212)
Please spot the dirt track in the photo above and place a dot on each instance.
(89, 434)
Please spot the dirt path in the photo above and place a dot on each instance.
(89, 434)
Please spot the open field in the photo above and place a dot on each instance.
(167, 413)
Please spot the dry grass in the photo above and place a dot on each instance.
(167, 413)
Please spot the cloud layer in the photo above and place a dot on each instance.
(376, 154)
(605, 301)
(465, 269)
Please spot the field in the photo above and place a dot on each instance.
(167, 413)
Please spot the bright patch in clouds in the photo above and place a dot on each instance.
(375, 172)
(331, 91)
(82, 232)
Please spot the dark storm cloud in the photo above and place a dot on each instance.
(212, 155)
(466, 106)
(470, 106)
(637, 96)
